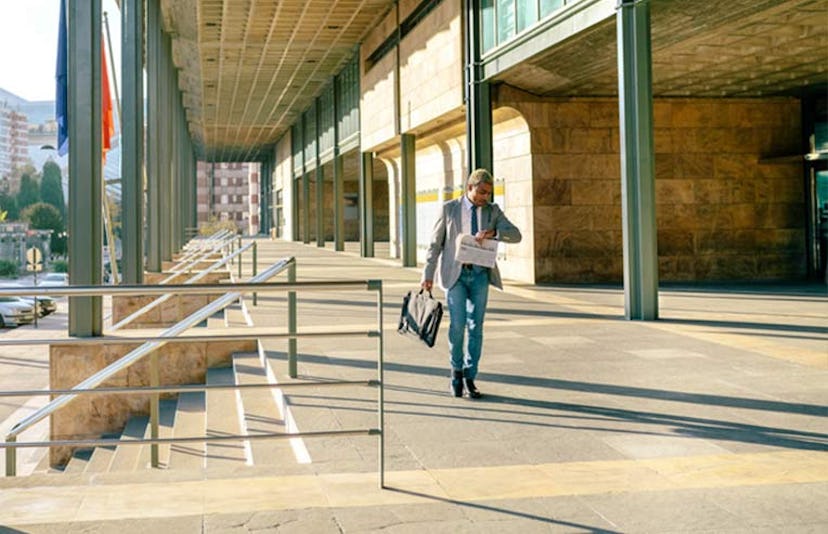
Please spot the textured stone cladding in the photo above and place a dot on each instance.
(722, 213)
(92, 415)
(170, 311)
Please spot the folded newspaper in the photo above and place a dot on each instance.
(470, 251)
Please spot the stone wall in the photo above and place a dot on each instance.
(722, 213)
(89, 416)
(430, 76)
(168, 312)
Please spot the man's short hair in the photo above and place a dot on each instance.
(479, 176)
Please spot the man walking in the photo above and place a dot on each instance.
(467, 285)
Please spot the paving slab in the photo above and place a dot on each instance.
(712, 419)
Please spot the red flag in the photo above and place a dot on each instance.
(107, 124)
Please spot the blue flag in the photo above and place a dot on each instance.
(61, 96)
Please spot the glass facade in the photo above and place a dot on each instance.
(502, 20)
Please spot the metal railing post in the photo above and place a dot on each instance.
(240, 261)
(11, 458)
(292, 322)
(381, 393)
(240, 245)
(154, 408)
(255, 268)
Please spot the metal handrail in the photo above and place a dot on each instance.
(167, 336)
(137, 354)
(187, 261)
(186, 338)
(200, 243)
(182, 388)
(192, 289)
(195, 278)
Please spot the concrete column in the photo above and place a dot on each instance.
(366, 205)
(478, 96)
(408, 200)
(638, 209)
(154, 120)
(85, 172)
(132, 139)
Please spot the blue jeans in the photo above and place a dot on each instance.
(466, 301)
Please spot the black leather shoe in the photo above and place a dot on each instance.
(474, 393)
(457, 383)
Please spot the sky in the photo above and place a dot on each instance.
(28, 45)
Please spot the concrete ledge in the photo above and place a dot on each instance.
(169, 312)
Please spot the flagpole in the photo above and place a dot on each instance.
(110, 235)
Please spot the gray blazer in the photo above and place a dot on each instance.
(444, 236)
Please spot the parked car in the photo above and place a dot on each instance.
(54, 280)
(45, 304)
(14, 312)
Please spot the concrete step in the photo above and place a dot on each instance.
(126, 456)
(101, 457)
(166, 422)
(222, 420)
(78, 462)
(216, 320)
(261, 414)
(234, 316)
(190, 420)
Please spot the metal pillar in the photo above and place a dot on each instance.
(154, 121)
(478, 96)
(193, 177)
(306, 207)
(320, 202)
(338, 201)
(338, 175)
(85, 165)
(167, 117)
(408, 200)
(635, 106)
(132, 128)
(320, 179)
(366, 205)
(294, 208)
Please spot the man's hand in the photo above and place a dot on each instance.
(484, 234)
(427, 284)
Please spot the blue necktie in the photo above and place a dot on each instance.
(474, 220)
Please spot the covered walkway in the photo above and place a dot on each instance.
(711, 419)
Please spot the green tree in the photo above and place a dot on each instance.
(51, 190)
(29, 192)
(9, 204)
(42, 216)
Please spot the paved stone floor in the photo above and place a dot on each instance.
(712, 419)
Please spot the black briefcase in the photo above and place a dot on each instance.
(420, 316)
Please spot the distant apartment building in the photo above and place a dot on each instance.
(14, 141)
(229, 192)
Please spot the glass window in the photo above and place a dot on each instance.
(527, 14)
(488, 21)
(505, 20)
(548, 6)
